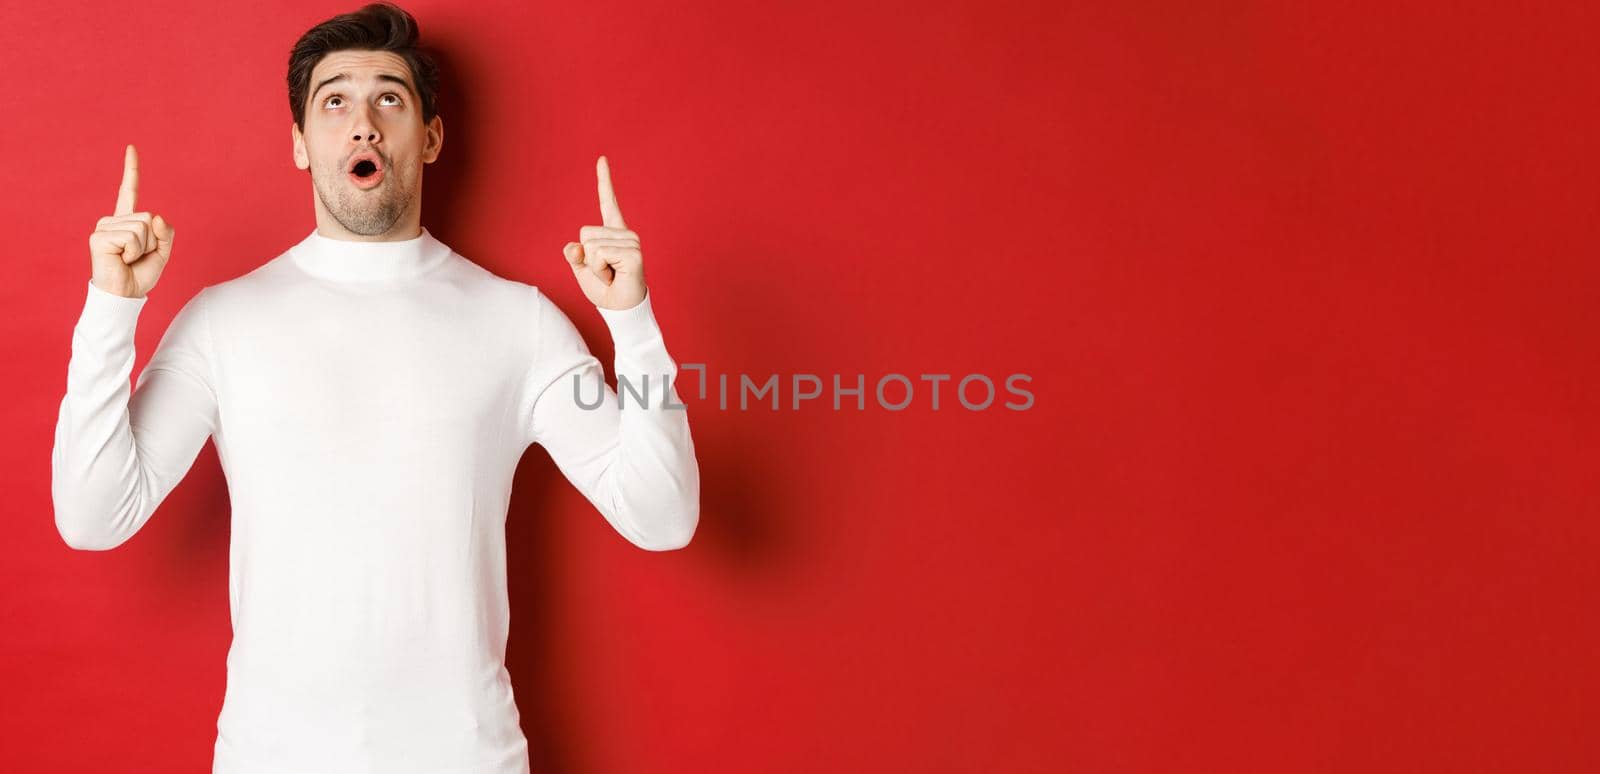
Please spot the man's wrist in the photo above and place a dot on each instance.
(633, 325)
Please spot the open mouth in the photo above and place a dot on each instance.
(366, 170)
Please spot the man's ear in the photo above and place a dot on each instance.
(433, 142)
(301, 159)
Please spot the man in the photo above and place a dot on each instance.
(370, 393)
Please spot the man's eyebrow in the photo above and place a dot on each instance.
(381, 77)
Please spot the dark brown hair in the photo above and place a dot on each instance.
(380, 26)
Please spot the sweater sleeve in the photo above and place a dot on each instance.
(116, 457)
(632, 459)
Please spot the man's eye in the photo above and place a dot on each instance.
(329, 102)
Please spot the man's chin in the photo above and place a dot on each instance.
(368, 222)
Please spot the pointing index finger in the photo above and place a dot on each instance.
(130, 182)
(610, 213)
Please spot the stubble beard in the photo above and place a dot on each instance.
(368, 213)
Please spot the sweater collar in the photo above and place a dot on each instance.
(349, 260)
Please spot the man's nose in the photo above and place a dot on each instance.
(365, 129)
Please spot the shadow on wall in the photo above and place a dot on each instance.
(445, 181)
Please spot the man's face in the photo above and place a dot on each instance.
(363, 104)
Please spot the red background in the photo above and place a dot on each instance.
(1307, 296)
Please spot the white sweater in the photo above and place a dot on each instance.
(369, 402)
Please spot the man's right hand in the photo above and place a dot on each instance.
(128, 249)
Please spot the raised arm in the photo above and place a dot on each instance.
(116, 455)
(630, 454)
(634, 462)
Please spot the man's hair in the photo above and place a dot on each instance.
(380, 26)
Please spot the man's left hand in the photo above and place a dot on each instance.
(606, 259)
